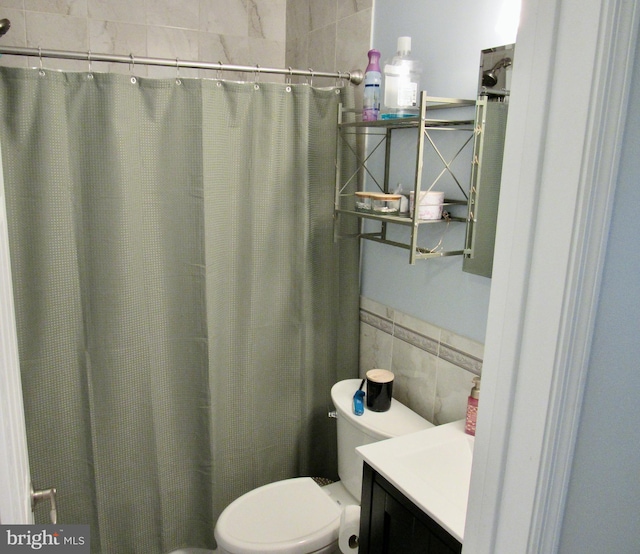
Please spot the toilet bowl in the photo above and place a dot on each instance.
(293, 516)
(297, 516)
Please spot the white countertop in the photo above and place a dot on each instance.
(432, 468)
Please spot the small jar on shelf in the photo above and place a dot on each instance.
(385, 204)
(363, 201)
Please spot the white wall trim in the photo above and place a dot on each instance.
(569, 98)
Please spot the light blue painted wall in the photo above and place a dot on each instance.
(447, 38)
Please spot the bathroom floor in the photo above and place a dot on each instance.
(193, 551)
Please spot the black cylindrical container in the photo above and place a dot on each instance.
(379, 389)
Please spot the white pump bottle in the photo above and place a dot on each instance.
(402, 82)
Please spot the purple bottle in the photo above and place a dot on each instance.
(372, 83)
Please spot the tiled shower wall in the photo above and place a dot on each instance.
(324, 35)
(433, 367)
(328, 35)
(229, 31)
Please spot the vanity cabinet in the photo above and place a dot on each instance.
(391, 524)
(359, 140)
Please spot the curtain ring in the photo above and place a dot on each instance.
(41, 70)
(339, 80)
(256, 74)
(132, 65)
(178, 81)
(90, 75)
(310, 79)
(219, 71)
(288, 78)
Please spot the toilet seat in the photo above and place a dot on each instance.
(293, 516)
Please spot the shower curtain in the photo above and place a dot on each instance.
(182, 307)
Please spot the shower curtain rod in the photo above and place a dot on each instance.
(354, 76)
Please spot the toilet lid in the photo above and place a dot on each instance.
(293, 516)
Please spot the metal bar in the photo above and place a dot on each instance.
(418, 174)
(421, 253)
(475, 176)
(439, 254)
(447, 164)
(361, 164)
(401, 220)
(355, 76)
(337, 192)
(411, 122)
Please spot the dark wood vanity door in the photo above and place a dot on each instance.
(391, 524)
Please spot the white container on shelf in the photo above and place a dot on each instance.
(430, 205)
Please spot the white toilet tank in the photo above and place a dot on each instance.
(354, 431)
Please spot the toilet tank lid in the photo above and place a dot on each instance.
(398, 420)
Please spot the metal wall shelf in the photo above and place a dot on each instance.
(382, 130)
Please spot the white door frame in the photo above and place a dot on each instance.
(15, 479)
(570, 89)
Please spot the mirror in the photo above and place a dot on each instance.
(494, 83)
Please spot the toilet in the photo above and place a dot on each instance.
(298, 516)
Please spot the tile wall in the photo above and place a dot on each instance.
(325, 35)
(328, 35)
(433, 367)
(230, 31)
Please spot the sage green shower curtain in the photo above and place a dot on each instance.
(182, 307)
